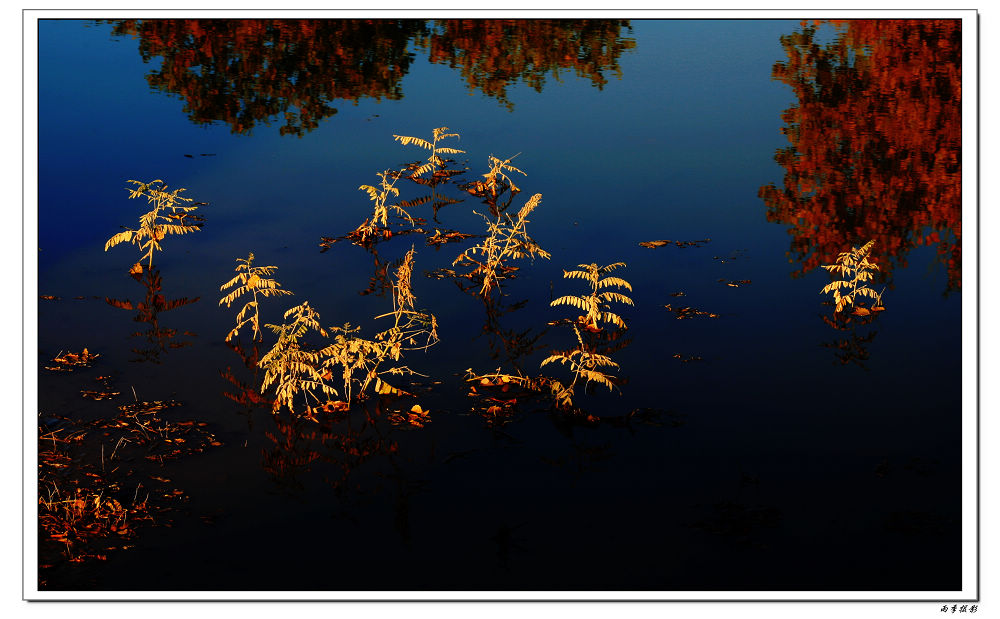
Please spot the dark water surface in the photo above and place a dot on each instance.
(764, 448)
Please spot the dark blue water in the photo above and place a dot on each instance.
(768, 463)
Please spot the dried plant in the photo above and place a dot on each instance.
(291, 367)
(854, 269)
(411, 330)
(585, 361)
(496, 179)
(295, 369)
(380, 214)
(77, 518)
(434, 162)
(168, 216)
(500, 392)
(507, 239)
(584, 364)
(596, 304)
(250, 279)
(496, 183)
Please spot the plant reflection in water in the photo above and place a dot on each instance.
(160, 339)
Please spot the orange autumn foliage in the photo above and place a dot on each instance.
(875, 141)
(246, 72)
(492, 54)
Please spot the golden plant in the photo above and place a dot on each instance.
(434, 162)
(411, 330)
(855, 269)
(495, 184)
(255, 280)
(585, 361)
(496, 181)
(506, 240)
(596, 304)
(292, 368)
(584, 364)
(168, 216)
(380, 214)
(486, 385)
(295, 369)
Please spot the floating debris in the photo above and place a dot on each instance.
(98, 395)
(104, 394)
(731, 258)
(689, 312)
(90, 498)
(449, 236)
(48, 297)
(147, 408)
(441, 273)
(655, 244)
(734, 283)
(325, 242)
(72, 361)
(417, 417)
(689, 359)
(677, 294)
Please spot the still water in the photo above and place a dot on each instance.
(753, 440)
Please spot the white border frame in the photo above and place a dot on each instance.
(970, 303)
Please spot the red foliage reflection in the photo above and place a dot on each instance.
(875, 141)
(245, 72)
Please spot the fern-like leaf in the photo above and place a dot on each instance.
(121, 237)
(406, 140)
(614, 281)
(578, 302)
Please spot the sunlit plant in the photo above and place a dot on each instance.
(584, 361)
(583, 364)
(507, 239)
(168, 216)
(294, 369)
(381, 208)
(855, 269)
(434, 161)
(496, 183)
(254, 280)
(496, 179)
(411, 330)
(291, 367)
(597, 303)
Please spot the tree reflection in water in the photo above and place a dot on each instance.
(875, 142)
(247, 72)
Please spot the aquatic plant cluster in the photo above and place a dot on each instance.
(311, 369)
